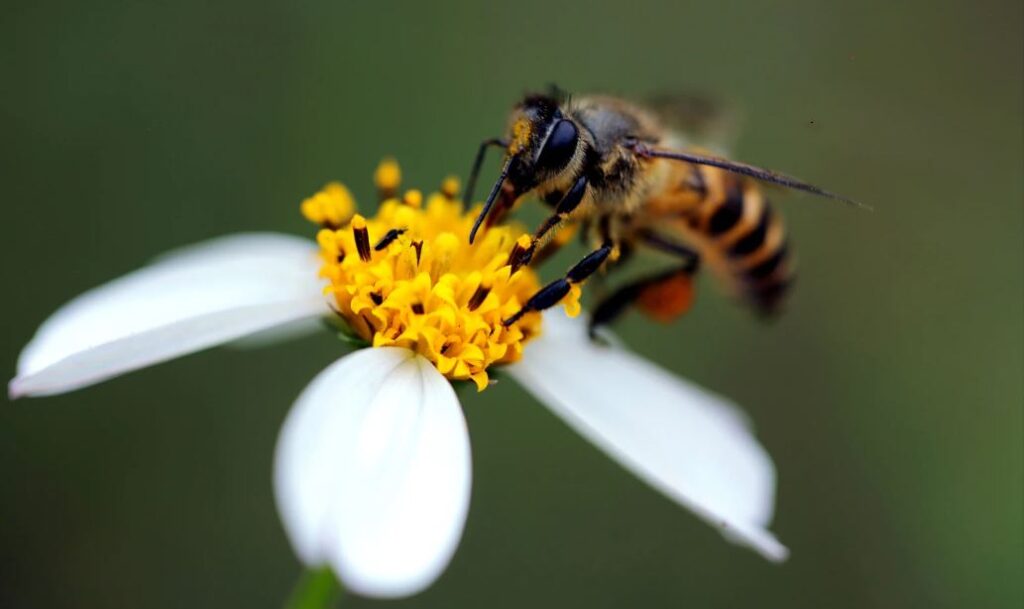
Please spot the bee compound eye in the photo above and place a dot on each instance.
(559, 147)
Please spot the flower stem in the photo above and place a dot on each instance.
(316, 589)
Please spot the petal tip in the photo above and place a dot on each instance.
(15, 389)
(688, 443)
(341, 516)
(759, 540)
(782, 555)
(774, 551)
(372, 587)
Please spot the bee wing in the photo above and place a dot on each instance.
(697, 120)
(698, 123)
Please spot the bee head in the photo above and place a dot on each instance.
(543, 143)
(544, 147)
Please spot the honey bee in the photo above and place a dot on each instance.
(625, 174)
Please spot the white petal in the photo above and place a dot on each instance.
(186, 301)
(689, 444)
(372, 472)
(278, 334)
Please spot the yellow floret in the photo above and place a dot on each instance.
(428, 289)
(450, 187)
(413, 198)
(332, 206)
(387, 177)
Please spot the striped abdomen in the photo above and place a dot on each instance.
(737, 221)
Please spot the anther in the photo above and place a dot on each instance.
(376, 298)
(521, 253)
(362, 237)
(387, 177)
(417, 308)
(478, 297)
(413, 198)
(369, 324)
(418, 246)
(450, 187)
(389, 238)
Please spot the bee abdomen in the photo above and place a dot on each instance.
(751, 238)
(768, 282)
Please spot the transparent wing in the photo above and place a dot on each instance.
(696, 119)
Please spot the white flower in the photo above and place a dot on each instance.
(373, 470)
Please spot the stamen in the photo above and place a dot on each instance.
(444, 299)
(478, 297)
(387, 178)
(389, 238)
(521, 252)
(331, 207)
(413, 198)
(362, 237)
(450, 187)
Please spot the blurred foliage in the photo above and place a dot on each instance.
(890, 396)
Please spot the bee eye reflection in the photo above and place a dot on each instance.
(559, 147)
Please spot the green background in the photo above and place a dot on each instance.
(890, 395)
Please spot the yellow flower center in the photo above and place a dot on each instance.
(409, 277)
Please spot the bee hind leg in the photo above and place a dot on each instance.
(663, 296)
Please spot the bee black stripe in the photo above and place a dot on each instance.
(728, 213)
(753, 240)
(768, 266)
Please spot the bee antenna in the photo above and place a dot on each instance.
(490, 199)
(478, 161)
(765, 175)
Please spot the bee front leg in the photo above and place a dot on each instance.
(569, 202)
(552, 293)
